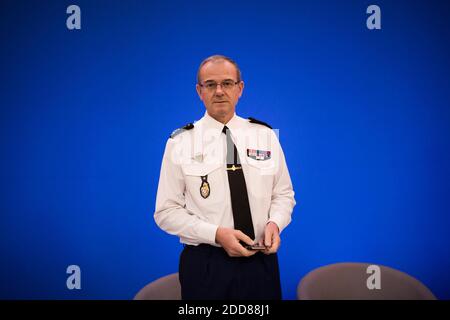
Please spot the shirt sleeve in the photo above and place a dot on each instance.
(171, 214)
(282, 201)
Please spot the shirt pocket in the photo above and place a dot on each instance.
(262, 167)
(261, 176)
(213, 175)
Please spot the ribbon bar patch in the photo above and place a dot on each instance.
(258, 154)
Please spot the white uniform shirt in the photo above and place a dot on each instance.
(180, 208)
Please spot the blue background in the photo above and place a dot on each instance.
(363, 116)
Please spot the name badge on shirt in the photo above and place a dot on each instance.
(204, 187)
(258, 154)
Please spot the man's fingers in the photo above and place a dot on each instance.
(275, 245)
(242, 236)
(275, 239)
(240, 251)
(246, 239)
(248, 253)
(268, 234)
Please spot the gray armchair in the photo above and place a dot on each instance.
(164, 288)
(344, 281)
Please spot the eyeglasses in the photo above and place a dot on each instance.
(212, 85)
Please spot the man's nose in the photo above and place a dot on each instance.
(219, 90)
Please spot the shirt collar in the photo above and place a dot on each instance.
(208, 128)
(211, 123)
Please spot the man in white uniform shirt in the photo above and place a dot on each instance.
(225, 190)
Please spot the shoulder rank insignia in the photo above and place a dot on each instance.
(253, 120)
(176, 132)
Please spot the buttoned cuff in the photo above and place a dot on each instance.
(207, 233)
(280, 220)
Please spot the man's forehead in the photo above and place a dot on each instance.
(218, 70)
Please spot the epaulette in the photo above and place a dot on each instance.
(253, 120)
(176, 132)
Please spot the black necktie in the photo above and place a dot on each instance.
(238, 190)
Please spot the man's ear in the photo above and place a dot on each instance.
(241, 88)
(199, 92)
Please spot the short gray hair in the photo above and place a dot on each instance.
(218, 57)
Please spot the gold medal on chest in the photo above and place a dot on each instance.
(204, 187)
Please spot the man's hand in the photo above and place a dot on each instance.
(271, 238)
(229, 239)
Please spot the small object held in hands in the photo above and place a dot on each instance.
(255, 247)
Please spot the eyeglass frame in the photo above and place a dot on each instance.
(217, 84)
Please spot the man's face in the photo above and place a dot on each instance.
(220, 102)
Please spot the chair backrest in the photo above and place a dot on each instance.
(343, 281)
(164, 288)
